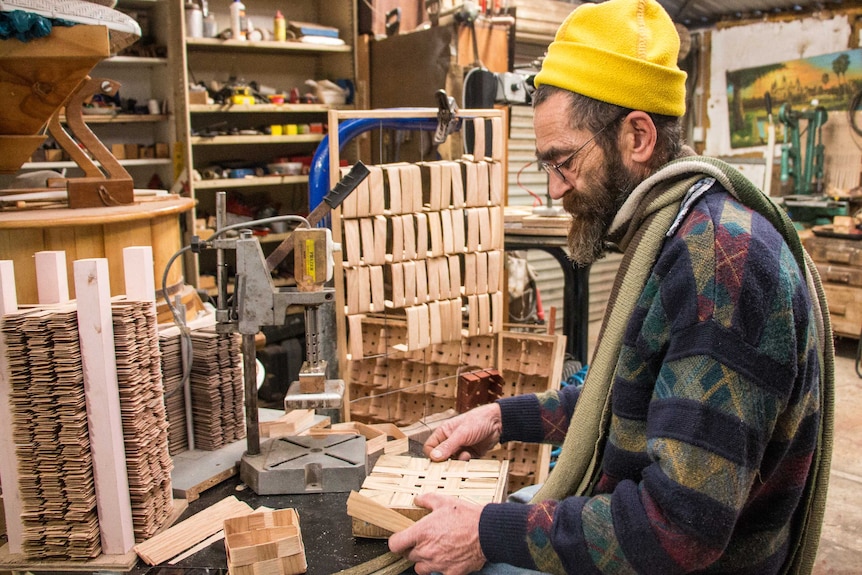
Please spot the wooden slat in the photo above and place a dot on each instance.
(51, 279)
(8, 460)
(366, 509)
(119, 236)
(138, 273)
(191, 531)
(290, 423)
(96, 334)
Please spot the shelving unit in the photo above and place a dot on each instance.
(225, 136)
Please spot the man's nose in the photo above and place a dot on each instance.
(557, 187)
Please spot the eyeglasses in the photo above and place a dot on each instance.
(559, 167)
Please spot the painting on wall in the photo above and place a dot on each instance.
(829, 80)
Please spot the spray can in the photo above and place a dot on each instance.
(279, 27)
(237, 20)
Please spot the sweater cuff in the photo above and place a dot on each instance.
(503, 534)
(522, 420)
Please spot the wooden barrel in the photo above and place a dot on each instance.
(94, 233)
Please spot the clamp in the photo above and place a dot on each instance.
(448, 121)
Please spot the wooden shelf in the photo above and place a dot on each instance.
(264, 45)
(261, 139)
(134, 61)
(250, 182)
(70, 164)
(137, 3)
(257, 108)
(122, 118)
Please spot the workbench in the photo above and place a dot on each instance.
(549, 234)
(326, 532)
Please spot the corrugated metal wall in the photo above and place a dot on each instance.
(524, 175)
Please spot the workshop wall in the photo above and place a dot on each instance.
(762, 43)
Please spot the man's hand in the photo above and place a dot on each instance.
(467, 435)
(444, 541)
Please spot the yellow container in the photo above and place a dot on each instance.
(276, 130)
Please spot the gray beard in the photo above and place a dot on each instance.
(594, 208)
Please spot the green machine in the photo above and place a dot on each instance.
(804, 166)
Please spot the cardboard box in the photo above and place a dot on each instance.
(119, 151)
(54, 155)
(197, 97)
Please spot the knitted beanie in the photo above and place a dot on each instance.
(623, 52)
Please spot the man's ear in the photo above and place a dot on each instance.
(639, 136)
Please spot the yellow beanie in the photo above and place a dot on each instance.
(623, 52)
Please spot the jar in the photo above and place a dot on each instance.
(194, 21)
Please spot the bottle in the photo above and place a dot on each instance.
(237, 20)
(194, 20)
(279, 27)
(210, 26)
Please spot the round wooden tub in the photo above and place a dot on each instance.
(93, 233)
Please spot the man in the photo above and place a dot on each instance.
(700, 440)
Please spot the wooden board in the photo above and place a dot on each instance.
(104, 417)
(191, 531)
(20, 562)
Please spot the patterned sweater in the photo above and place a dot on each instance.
(715, 411)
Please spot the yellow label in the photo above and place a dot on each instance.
(310, 267)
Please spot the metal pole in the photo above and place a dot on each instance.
(250, 380)
(221, 266)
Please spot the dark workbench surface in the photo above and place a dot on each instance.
(329, 544)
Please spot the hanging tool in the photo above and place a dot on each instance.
(448, 121)
(393, 22)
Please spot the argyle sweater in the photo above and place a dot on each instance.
(714, 417)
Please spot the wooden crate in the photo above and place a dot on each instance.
(268, 542)
(397, 479)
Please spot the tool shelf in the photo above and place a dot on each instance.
(123, 119)
(70, 164)
(281, 66)
(134, 61)
(216, 44)
(222, 183)
(257, 108)
(260, 139)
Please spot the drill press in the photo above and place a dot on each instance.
(287, 464)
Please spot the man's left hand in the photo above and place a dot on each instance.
(444, 541)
